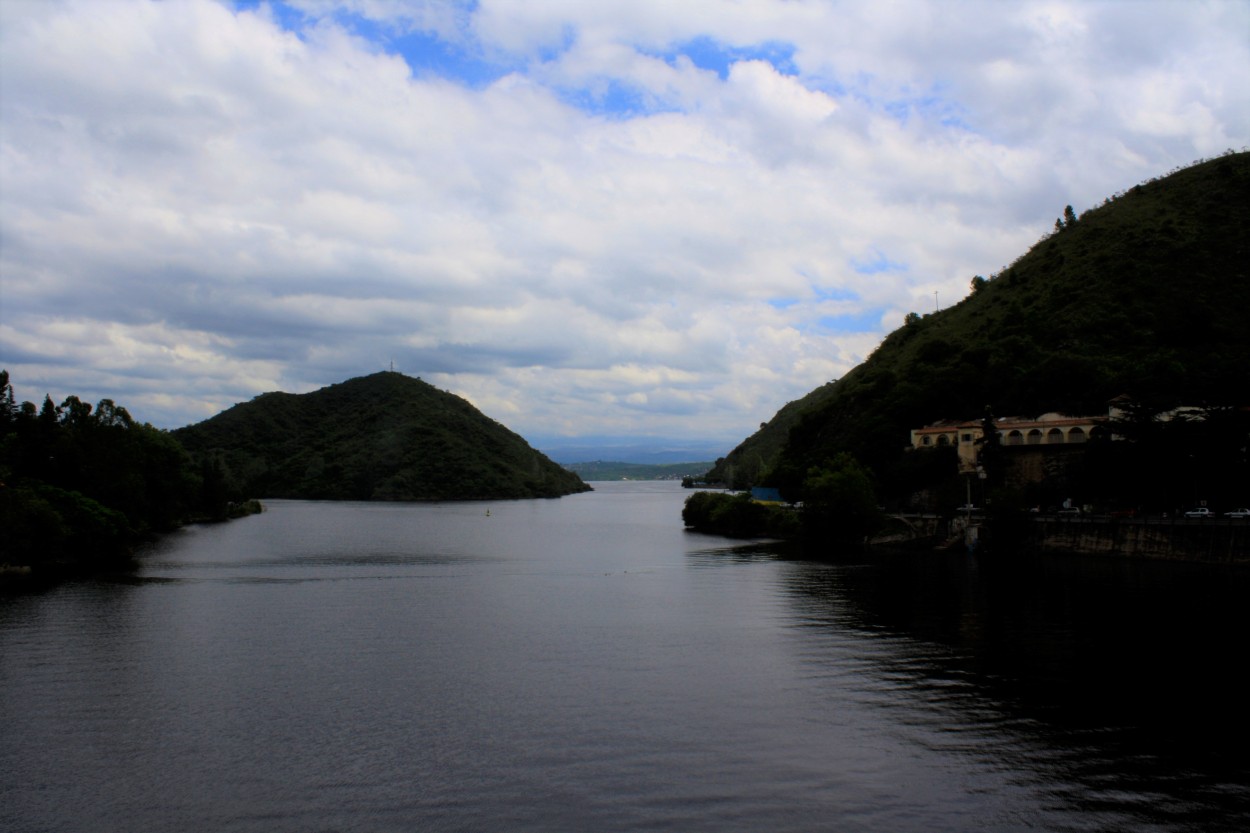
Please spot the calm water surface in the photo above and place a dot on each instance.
(585, 664)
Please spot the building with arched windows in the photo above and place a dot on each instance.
(1045, 457)
(1048, 430)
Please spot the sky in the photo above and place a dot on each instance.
(631, 219)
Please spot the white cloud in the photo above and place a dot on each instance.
(197, 205)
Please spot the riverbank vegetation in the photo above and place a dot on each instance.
(839, 508)
(736, 515)
(81, 485)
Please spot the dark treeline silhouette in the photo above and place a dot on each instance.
(81, 485)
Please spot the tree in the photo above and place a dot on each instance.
(74, 412)
(978, 283)
(1069, 216)
(49, 414)
(839, 502)
(8, 408)
(990, 453)
(114, 416)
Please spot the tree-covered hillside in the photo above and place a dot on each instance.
(1146, 295)
(381, 437)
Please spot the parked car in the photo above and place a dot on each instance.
(1238, 513)
(1124, 513)
(1070, 510)
(1200, 512)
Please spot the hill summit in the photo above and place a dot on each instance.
(386, 436)
(1144, 296)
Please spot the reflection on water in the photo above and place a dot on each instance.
(1115, 686)
(586, 664)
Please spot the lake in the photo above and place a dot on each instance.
(586, 664)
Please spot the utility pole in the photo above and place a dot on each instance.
(935, 301)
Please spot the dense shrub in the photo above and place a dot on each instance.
(737, 515)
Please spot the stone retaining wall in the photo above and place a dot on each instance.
(1189, 540)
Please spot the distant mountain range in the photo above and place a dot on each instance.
(640, 450)
(380, 437)
(1147, 295)
(616, 470)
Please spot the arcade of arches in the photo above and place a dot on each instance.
(1046, 430)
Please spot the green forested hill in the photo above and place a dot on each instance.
(1145, 295)
(381, 437)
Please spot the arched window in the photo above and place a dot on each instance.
(943, 440)
(1054, 436)
(1077, 435)
(1014, 437)
(1035, 436)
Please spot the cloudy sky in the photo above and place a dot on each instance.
(631, 218)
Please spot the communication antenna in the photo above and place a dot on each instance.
(935, 301)
(392, 365)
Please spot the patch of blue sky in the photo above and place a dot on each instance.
(614, 99)
(465, 62)
(862, 322)
(426, 53)
(568, 36)
(937, 104)
(833, 293)
(782, 303)
(290, 19)
(429, 55)
(934, 105)
(900, 110)
(710, 54)
(877, 264)
(829, 85)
